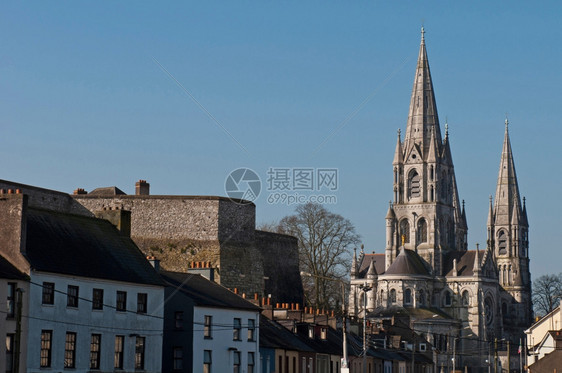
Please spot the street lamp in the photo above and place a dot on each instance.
(344, 367)
(365, 288)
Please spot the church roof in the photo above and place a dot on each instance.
(379, 260)
(465, 262)
(407, 262)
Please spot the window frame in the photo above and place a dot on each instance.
(236, 329)
(118, 352)
(207, 361)
(121, 304)
(178, 318)
(252, 362)
(236, 361)
(142, 302)
(140, 352)
(97, 303)
(11, 300)
(46, 348)
(208, 327)
(10, 357)
(70, 350)
(177, 359)
(72, 298)
(251, 330)
(48, 293)
(95, 351)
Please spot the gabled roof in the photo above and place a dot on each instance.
(407, 262)
(465, 262)
(84, 246)
(366, 262)
(8, 271)
(206, 293)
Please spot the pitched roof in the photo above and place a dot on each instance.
(465, 262)
(275, 335)
(107, 191)
(366, 262)
(84, 246)
(8, 271)
(206, 293)
(407, 262)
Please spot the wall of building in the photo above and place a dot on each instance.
(84, 322)
(222, 344)
(8, 324)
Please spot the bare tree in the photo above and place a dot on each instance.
(547, 293)
(325, 240)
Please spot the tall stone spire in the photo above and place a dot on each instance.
(507, 190)
(398, 157)
(423, 109)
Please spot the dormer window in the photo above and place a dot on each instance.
(311, 332)
(323, 334)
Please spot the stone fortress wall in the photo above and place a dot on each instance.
(180, 230)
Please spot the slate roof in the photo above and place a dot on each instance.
(465, 262)
(206, 293)
(8, 271)
(107, 191)
(407, 262)
(84, 246)
(366, 262)
(274, 335)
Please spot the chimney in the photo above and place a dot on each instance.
(154, 262)
(120, 218)
(79, 191)
(142, 188)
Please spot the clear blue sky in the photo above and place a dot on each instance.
(83, 102)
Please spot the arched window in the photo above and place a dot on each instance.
(395, 175)
(381, 298)
(414, 187)
(408, 296)
(405, 231)
(392, 296)
(447, 298)
(432, 194)
(502, 242)
(509, 276)
(422, 230)
(431, 173)
(465, 298)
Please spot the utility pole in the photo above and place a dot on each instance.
(508, 357)
(365, 288)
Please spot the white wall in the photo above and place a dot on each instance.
(84, 321)
(222, 339)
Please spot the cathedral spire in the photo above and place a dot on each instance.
(476, 268)
(507, 190)
(398, 157)
(423, 109)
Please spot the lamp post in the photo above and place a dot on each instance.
(365, 288)
(344, 365)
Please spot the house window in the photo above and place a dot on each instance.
(208, 328)
(139, 353)
(236, 329)
(46, 339)
(10, 353)
(251, 329)
(11, 300)
(207, 361)
(251, 362)
(323, 334)
(423, 347)
(236, 365)
(179, 320)
(95, 345)
(118, 356)
(141, 302)
(310, 332)
(72, 296)
(70, 350)
(178, 358)
(48, 293)
(121, 302)
(408, 296)
(97, 299)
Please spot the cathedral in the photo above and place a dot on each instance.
(459, 299)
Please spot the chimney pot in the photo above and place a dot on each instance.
(142, 188)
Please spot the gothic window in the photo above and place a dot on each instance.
(405, 231)
(489, 311)
(408, 296)
(432, 194)
(465, 298)
(431, 173)
(395, 175)
(502, 242)
(382, 297)
(414, 187)
(422, 231)
(447, 298)
(509, 279)
(450, 234)
(392, 296)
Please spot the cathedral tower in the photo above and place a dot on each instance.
(425, 215)
(508, 239)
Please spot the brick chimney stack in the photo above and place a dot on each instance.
(142, 188)
(79, 191)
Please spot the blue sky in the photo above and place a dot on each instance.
(84, 102)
